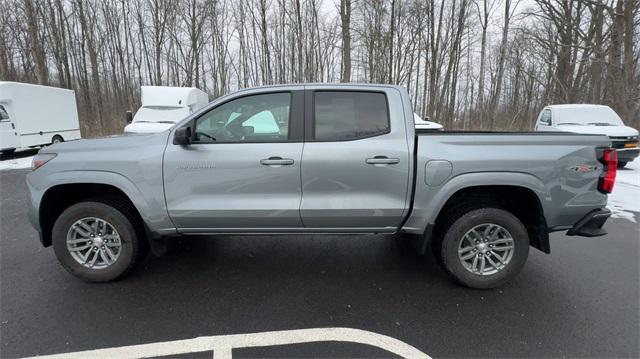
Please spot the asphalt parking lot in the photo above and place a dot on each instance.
(580, 301)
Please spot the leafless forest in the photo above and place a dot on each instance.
(468, 64)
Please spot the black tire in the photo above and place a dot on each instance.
(117, 214)
(621, 164)
(446, 250)
(57, 139)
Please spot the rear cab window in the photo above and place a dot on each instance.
(349, 115)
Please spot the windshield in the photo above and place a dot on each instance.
(588, 115)
(161, 114)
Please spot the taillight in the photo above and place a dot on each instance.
(40, 159)
(610, 160)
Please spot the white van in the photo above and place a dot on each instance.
(592, 119)
(33, 115)
(163, 106)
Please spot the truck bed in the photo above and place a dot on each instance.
(562, 169)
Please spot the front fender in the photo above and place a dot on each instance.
(149, 202)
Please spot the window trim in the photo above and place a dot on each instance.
(295, 127)
(310, 113)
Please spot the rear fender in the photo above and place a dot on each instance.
(430, 200)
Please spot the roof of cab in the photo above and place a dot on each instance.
(575, 105)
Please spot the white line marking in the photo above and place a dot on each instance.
(221, 345)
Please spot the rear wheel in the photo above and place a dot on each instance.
(57, 139)
(96, 241)
(621, 164)
(483, 248)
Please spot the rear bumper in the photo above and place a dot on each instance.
(627, 154)
(591, 224)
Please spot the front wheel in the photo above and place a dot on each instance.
(483, 248)
(96, 241)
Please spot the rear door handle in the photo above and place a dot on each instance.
(276, 161)
(382, 160)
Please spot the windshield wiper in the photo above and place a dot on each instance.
(570, 123)
(600, 123)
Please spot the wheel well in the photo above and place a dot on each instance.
(520, 201)
(58, 198)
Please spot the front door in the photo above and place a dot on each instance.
(242, 170)
(356, 161)
(9, 138)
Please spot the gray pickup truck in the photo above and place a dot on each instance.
(320, 158)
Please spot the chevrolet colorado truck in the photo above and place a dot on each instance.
(320, 158)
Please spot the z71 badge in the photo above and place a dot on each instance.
(584, 168)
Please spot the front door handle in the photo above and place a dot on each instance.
(276, 161)
(382, 160)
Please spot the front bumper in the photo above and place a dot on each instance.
(627, 154)
(591, 224)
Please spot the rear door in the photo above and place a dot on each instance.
(9, 138)
(356, 160)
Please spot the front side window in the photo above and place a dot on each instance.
(546, 117)
(256, 118)
(3, 113)
(348, 115)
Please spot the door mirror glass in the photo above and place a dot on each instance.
(182, 136)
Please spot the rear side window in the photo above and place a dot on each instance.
(346, 115)
(3, 113)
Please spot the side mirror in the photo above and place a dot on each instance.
(128, 116)
(182, 136)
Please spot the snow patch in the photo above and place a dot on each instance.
(625, 199)
(16, 163)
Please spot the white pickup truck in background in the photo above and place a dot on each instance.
(33, 115)
(163, 106)
(592, 119)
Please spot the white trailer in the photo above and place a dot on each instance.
(32, 115)
(163, 106)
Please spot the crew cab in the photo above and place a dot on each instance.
(320, 158)
(592, 119)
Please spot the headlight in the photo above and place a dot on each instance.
(41, 159)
